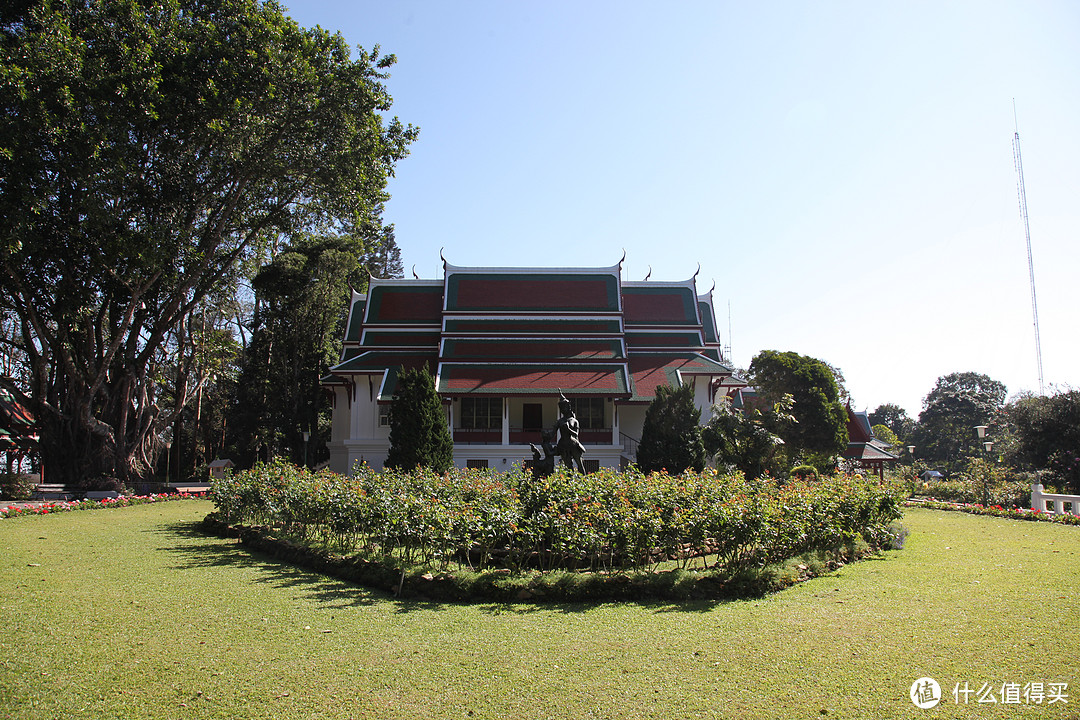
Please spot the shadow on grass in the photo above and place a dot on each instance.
(195, 549)
(199, 549)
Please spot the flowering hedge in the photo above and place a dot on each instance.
(998, 511)
(606, 520)
(48, 508)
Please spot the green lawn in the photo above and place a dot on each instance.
(131, 613)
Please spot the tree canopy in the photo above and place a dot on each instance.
(741, 439)
(820, 428)
(146, 149)
(951, 411)
(1047, 435)
(895, 418)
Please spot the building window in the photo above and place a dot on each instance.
(481, 413)
(384, 416)
(590, 413)
(591, 466)
(476, 464)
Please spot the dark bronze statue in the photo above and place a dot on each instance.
(568, 428)
(544, 466)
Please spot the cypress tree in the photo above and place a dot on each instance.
(419, 435)
(671, 436)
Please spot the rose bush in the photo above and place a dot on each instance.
(607, 520)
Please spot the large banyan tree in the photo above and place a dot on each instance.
(147, 148)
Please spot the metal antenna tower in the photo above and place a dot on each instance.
(1022, 194)
(727, 348)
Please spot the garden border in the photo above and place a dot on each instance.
(994, 511)
(31, 508)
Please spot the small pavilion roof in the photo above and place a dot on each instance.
(867, 451)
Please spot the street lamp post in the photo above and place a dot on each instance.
(988, 445)
(168, 457)
(306, 435)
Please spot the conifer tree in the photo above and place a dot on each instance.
(671, 436)
(419, 434)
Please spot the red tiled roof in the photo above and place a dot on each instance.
(659, 305)
(525, 349)
(532, 292)
(651, 371)
(532, 379)
(404, 304)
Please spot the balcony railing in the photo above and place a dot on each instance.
(521, 436)
(463, 436)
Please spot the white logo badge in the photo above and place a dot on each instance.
(925, 693)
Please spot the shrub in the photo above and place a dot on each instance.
(804, 472)
(17, 486)
(564, 522)
(419, 435)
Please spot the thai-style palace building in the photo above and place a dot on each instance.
(504, 343)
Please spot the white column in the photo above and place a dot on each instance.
(1037, 502)
(506, 421)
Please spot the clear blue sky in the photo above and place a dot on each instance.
(842, 170)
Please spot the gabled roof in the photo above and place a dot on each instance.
(650, 371)
(404, 302)
(533, 331)
(654, 303)
(532, 290)
(858, 426)
(708, 319)
(869, 451)
(17, 425)
(862, 445)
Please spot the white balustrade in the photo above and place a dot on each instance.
(1054, 503)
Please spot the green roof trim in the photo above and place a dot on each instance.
(409, 338)
(687, 339)
(708, 322)
(375, 361)
(356, 320)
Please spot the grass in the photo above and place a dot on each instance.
(133, 614)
